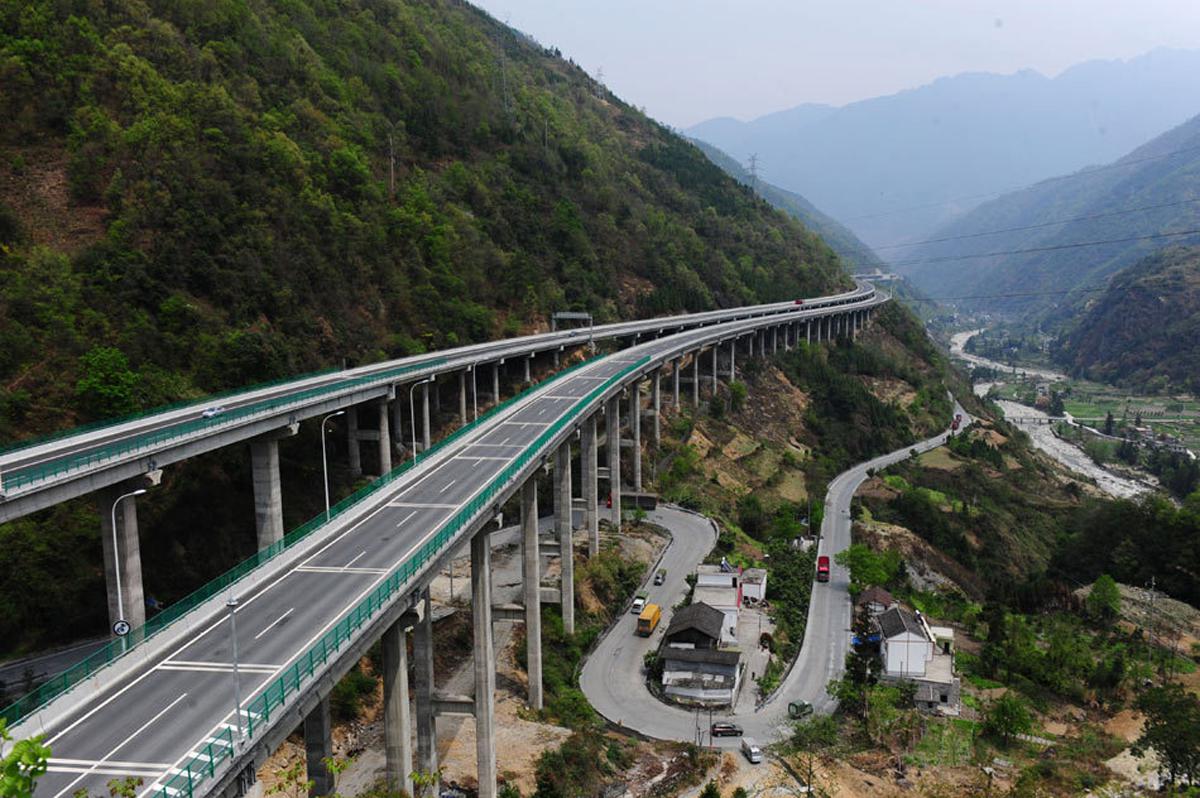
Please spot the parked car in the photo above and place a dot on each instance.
(210, 412)
(639, 604)
(725, 730)
(799, 709)
(751, 750)
(660, 577)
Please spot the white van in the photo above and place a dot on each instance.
(751, 750)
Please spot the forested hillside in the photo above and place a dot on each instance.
(197, 195)
(1150, 191)
(849, 248)
(1144, 330)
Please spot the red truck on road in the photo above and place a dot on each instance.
(823, 568)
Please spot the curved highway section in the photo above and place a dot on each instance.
(164, 711)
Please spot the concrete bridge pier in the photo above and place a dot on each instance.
(495, 383)
(749, 345)
(397, 725)
(528, 376)
(808, 332)
(612, 429)
(591, 490)
(268, 493)
(733, 359)
(485, 660)
(123, 562)
(462, 398)
(774, 340)
(352, 447)
(318, 746)
(531, 579)
(656, 404)
(425, 417)
(696, 378)
(385, 437)
(566, 528)
(675, 384)
(635, 428)
(716, 348)
(427, 758)
(396, 427)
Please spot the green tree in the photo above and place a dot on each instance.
(107, 385)
(21, 764)
(737, 395)
(1104, 602)
(1172, 731)
(1109, 423)
(868, 567)
(1007, 717)
(711, 790)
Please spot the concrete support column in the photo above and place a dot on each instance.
(612, 428)
(749, 345)
(397, 424)
(385, 438)
(425, 417)
(528, 377)
(733, 359)
(774, 340)
(566, 527)
(485, 663)
(635, 428)
(495, 383)
(808, 332)
(126, 559)
(531, 579)
(397, 726)
(352, 440)
(268, 494)
(696, 379)
(716, 348)
(675, 384)
(427, 759)
(656, 401)
(318, 746)
(462, 398)
(591, 490)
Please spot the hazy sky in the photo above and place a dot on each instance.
(688, 60)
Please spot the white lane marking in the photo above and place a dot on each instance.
(104, 770)
(217, 668)
(337, 569)
(526, 424)
(406, 519)
(497, 445)
(479, 458)
(58, 760)
(448, 485)
(355, 559)
(506, 439)
(122, 744)
(421, 505)
(272, 624)
(542, 411)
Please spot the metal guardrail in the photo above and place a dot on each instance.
(55, 687)
(20, 477)
(258, 711)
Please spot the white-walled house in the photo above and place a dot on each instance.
(754, 584)
(904, 644)
(913, 651)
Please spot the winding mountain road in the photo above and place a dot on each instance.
(612, 677)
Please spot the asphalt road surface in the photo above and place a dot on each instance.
(612, 677)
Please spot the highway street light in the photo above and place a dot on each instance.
(121, 627)
(324, 462)
(412, 411)
(232, 604)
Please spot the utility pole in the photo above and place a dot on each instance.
(753, 169)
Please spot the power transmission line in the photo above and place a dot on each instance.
(1050, 248)
(1041, 225)
(1072, 176)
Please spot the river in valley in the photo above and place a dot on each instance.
(1042, 434)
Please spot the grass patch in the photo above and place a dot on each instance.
(946, 743)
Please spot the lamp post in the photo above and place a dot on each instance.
(232, 604)
(412, 411)
(121, 626)
(324, 462)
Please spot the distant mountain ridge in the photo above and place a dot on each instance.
(961, 137)
(1162, 177)
(1145, 329)
(849, 247)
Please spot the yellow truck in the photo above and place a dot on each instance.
(648, 620)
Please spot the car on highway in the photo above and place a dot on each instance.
(751, 750)
(725, 729)
(661, 576)
(213, 412)
(639, 604)
(799, 301)
(823, 568)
